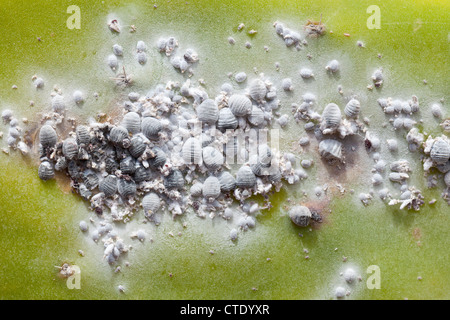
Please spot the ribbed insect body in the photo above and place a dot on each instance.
(211, 188)
(208, 111)
(151, 127)
(330, 149)
(108, 185)
(240, 105)
(257, 90)
(47, 136)
(192, 151)
(245, 178)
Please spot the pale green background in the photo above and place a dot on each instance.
(39, 223)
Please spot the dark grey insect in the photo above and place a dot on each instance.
(128, 165)
(174, 180)
(70, 148)
(137, 147)
(46, 171)
(108, 185)
(47, 136)
(151, 127)
(159, 158)
(111, 165)
(90, 179)
(126, 187)
(117, 135)
(83, 136)
(141, 174)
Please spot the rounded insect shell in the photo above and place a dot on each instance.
(108, 185)
(112, 61)
(192, 151)
(256, 117)
(141, 174)
(46, 171)
(257, 90)
(134, 96)
(286, 84)
(211, 188)
(159, 159)
(265, 155)
(331, 116)
(196, 189)
(58, 104)
(78, 97)
(212, 158)
(117, 50)
(227, 181)
(142, 57)
(118, 134)
(436, 111)
(141, 46)
(392, 145)
(151, 203)
(440, 151)
(61, 164)
(240, 77)
(128, 165)
(47, 136)
(90, 179)
(174, 180)
(70, 148)
(226, 120)
(240, 105)
(330, 149)
(151, 127)
(137, 147)
(306, 73)
(332, 66)
(83, 136)
(300, 215)
(245, 178)
(83, 226)
(352, 108)
(132, 122)
(126, 187)
(208, 111)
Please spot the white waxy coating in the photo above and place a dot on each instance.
(212, 158)
(226, 120)
(142, 57)
(240, 77)
(151, 203)
(306, 73)
(286, 84)
(240, 105)
(117, 50)
(192, 151)
(58, 104)
(227, 181)
(436, 110)
(39, 83)
(330, 149)
(78, 97)
(141, 46)
(211, 188)
(332, 66)
(300, 215)
(112, 61)
(350, 275)
(257, 90)
(83, 226)
(208, 111)
(392, 145)
(256, 116)
(340, 292)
